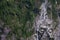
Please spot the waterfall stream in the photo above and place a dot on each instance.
(42, 22)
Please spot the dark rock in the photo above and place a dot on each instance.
(1, 30)
(59, 14)
(36, 10)
(58, 11)
(42, 0)
(8, 4)
(28, 4)
(51, 39)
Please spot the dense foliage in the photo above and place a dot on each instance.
(17, 14)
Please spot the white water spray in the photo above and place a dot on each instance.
(42, 21)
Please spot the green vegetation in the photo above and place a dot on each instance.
(53, 9)
(54, 13)
(16, 14)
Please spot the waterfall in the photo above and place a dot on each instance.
(42, 21)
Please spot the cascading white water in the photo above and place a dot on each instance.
(42, 20)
